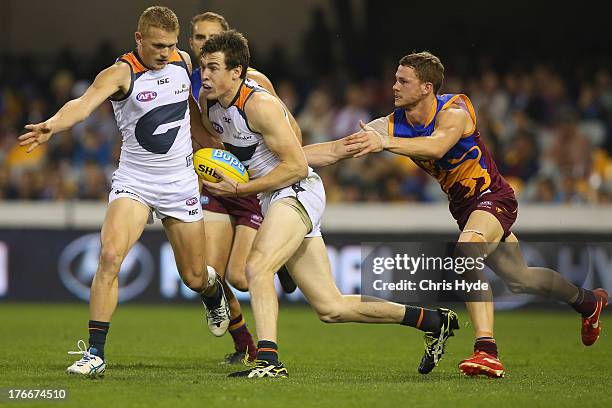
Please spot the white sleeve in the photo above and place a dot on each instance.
(381, 125)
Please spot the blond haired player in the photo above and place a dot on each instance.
(150, 93)
(248, 117)
(231, 222)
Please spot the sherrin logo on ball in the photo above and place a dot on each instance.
(208, 159)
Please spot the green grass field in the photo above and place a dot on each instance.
(165, 356)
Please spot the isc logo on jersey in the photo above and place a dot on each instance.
(207, 160)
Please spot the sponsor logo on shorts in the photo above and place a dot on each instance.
(195, 211)
(189, 160)
(297, 188)
(192, 201)
(485, 204)
(204, 200)
(118, 191)
(146, 96)
(218, 127)
(256, 219)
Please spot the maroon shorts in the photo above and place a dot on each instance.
(245, 210)
(502, 204)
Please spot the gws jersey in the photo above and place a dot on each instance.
(153, 118)
(232, 125)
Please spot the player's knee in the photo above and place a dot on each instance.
(520, 284)
(332, 313)
(256, 267)
(195, 282)
(238, 281)
(235, 275)
(517, 287)
(194, 278)
(110, 259)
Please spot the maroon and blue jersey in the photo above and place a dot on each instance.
(467, 171)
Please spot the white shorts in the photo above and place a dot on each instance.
(177, 199)
(309, 192)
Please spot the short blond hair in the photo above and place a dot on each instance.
(160, 17)
(209, 16)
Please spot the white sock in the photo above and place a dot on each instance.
(212, 276)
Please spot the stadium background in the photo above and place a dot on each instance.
(539, 76)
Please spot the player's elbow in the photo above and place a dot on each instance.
(303, 170)
(299, 170)
(437, 152)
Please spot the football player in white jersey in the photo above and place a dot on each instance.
(253, 123)
(150, 92)
(231, 222)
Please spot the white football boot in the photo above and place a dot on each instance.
(89, 365)
(218, 317)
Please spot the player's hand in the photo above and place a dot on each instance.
(38, 134)
(368, 140)
(227, 187)
(345, 148)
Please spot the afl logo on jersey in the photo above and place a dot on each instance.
(218, 128)
(146, 96)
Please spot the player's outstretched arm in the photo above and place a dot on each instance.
(110, 81)
(450, 126)
(267, 117)
(263, 80)
(328, 153)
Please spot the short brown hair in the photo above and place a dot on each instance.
(160, 17)
(427, 67)
(208, 16)
(234, 46)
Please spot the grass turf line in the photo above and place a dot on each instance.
(164, 355)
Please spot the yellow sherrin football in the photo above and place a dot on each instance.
(208, 159)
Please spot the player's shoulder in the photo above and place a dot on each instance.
(119, 73)
(261, 109)
(453, 114)
(261, 79)
(261, 101)
(185, 56)
(257, 76)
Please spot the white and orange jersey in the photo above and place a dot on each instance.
(153, 118)
(233, 127)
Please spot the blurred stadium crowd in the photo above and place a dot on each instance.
(549, 131)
